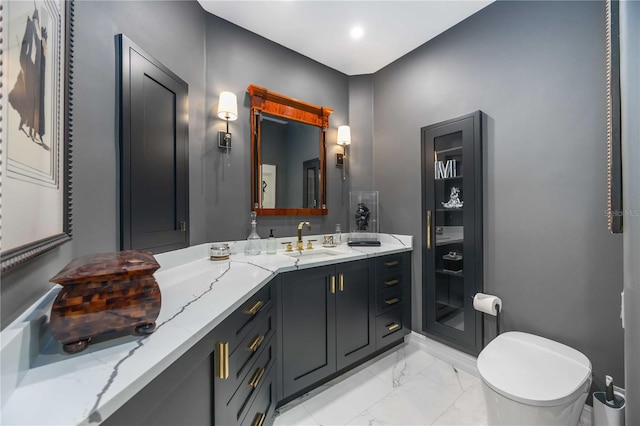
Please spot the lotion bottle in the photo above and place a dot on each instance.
(272, 245)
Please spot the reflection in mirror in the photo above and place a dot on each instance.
(289, 155)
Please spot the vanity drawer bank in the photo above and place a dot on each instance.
(168, 376)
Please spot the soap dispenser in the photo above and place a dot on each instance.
(253, 246)
(272, 245)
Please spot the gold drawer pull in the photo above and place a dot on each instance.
(393, 326)
(223, 360)
(392, 263)
(428, 229)
(256, 377)
(258, 419)
(392, 282)
(255, 344)
(392, 301)
(255, 308)
(341, 282)
(333, 284)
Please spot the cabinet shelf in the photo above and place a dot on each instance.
(450, 273)
(449, 178)
(450, 210)
(445, 151)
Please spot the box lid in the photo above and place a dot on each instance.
(107, 266)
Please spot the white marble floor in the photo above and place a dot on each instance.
(405, 387)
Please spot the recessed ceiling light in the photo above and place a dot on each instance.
(357, 32)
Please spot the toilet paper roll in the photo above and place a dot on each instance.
(487, 303)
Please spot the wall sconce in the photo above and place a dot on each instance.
(344, 139)
(227, 110)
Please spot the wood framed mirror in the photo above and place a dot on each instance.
(288, 155)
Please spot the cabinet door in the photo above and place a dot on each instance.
(355, 305)
(308, 328)
(452, 225)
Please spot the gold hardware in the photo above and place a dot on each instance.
(341, 281)
(428, 229)
(223, 360)
(310, 245)
(182, 226)
(289, 247)
(333, 284)
(392, 301)
(393, 326)
(391, 282)
(392, 263)
(255, 308)
(258, 419)
(256, 377)
(256, 343)
(299, 245)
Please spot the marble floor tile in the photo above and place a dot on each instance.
(298, 415)
(400, 366)
(365, 419)
(469, 409)
(419, 401)
(347, 399)
(449, 376)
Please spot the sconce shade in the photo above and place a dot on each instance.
(344, 135)
(228, 106)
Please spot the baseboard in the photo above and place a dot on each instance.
(586, 417)
(458, 359)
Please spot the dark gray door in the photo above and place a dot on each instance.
(355, 307)
(154, 153)
(308, 328)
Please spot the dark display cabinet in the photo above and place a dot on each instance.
(452, 230)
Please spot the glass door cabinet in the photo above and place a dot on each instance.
(452, 230)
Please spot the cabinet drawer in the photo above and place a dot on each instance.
(237, 325)
(240, 404)
(260, 413)
(391, 281)
(392, 263)
(242, 361)
(390, 327)
(389, 300)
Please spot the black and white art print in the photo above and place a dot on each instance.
(35, 145)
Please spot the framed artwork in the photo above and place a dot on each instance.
(36, 132)
(614, 124)
(269, 174)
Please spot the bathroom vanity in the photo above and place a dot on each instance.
(234, 339)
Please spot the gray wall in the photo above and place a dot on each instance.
(536, 69)
(211, 55)
(235, 59)
(630, 88)
(153, 26)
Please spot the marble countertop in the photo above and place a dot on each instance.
(43, 386)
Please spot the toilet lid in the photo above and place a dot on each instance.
(533, 370)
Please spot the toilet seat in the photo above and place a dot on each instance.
(533, 370)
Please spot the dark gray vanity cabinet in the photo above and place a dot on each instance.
(452, 226)
(327, 318)
(393, 298)
(244, 383)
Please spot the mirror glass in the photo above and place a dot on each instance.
(290, 163)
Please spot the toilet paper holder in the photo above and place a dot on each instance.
(498, 308)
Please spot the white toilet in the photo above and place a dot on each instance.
(530, 380)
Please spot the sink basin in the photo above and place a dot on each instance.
(312, 254)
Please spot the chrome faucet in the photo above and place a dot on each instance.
(299, 245)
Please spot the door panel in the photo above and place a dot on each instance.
(154, 153)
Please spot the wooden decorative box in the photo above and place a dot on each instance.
(104, 293)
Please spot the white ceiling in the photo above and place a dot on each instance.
(320, 29)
